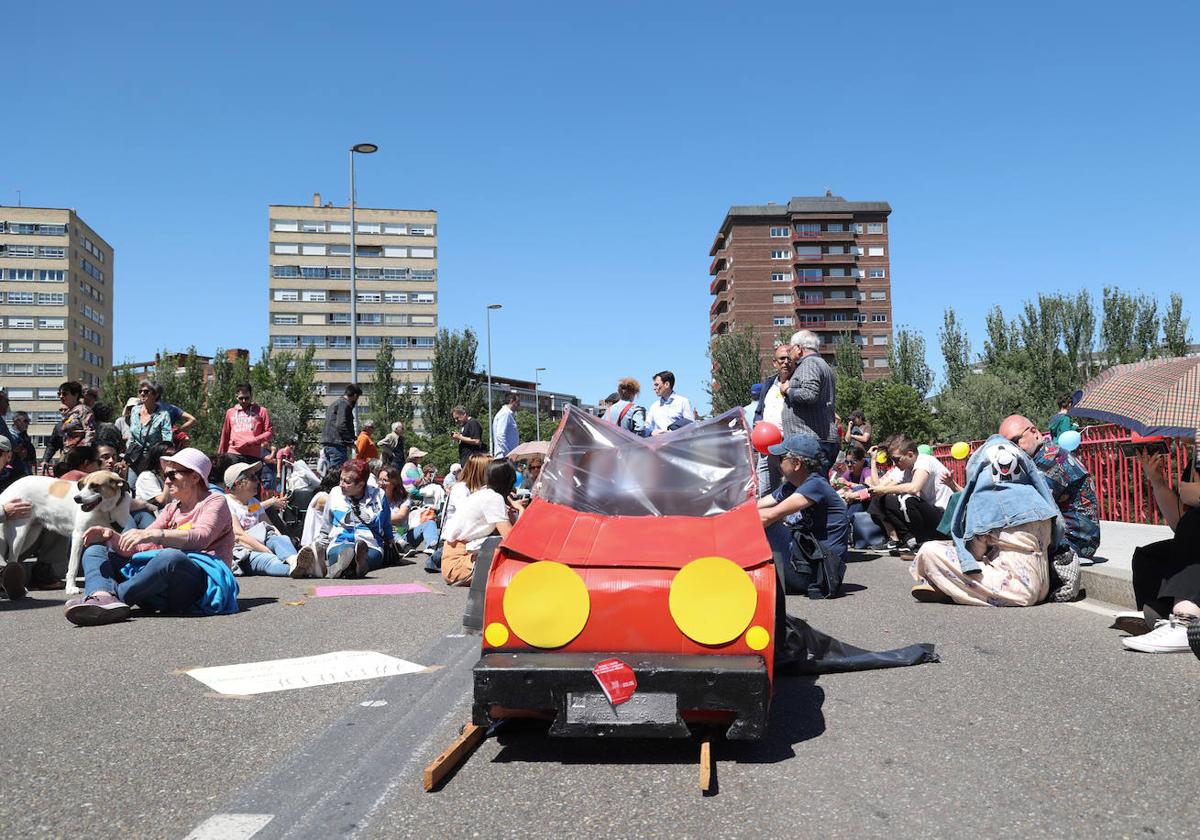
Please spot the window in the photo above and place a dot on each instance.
(52, 275)
(369, 227)
(20, 298)
(21, 394)
(780, 276)
(312, 250)
(781, 321)
(316, 272)
(390, 251)
(372, 318)
(312, 227)
(26, 274)
(879, 340)
(421, 253)
(397, 229)
(284, 341)
(839, 316)
(369, 297)
(423, 341)
(874, 227)
(20, 324)
(339, 250)
(879, 318)
(341, 342)
(285, 271)
(52, 252)
(288, 295)
(51, 299)
(876, 273)
(835, 249)
(339, 297)
(422, 364)
(810, 274)
(338, 273)
(424, 274)
(879, 363)
(420, 230)
(394, 273)
(93, 314)
(313, 296)
(781, 298)
(423, 320)
(837, 272)
(91, 335)
(807, 229)
(19, 347)
(283, 248)
(92, 358)
(779, 232)
(878, 295)
(51, 346)
(21, 250)
(396, 320)
(370, 340)
(22, 370)
(837, 294)
(399, 364)
(285, 226)
(340, 318)
(808, 251)
(49, 370)
(862, 319)
(91, 270)
(835, 227)
(858, 227)
(314, 319)
(312, 341)
(286, 319)
(875, 252)
(781, 255)
(395, 297)
(47, 417)
(422, 297)
(370, 251)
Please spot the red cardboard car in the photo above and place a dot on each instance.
(648, 551)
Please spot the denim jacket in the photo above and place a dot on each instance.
(988, 502)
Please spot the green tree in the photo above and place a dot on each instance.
(406, 407)
(285, 417)
(906, 359)
(190, 396)
(381, 392)
(1078, 327)
(1175, 328)
(453, 381)
(296, 377)
(1129, 327)
(1002, 338)
(260, 375)
(847, 356)
(956, 349)
(973, 410)
(122, 384)
(849, 392)
(736, 366)
(897, 408)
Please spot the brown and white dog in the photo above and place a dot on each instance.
(69, 509)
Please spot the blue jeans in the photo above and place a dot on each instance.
(433, 563)
(143, 518)
(171, 581)
(273, 562)
(426, 532)
(335, 456)
(374, 555)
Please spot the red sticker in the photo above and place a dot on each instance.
(616, 680)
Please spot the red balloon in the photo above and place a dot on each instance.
(764, 435)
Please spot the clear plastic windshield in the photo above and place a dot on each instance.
(702, 469)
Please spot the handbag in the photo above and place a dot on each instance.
(391, 553)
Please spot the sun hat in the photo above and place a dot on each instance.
(238, 470)
(190, 459)
(413, 452)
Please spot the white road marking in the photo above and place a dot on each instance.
(373, 704)
(230, 827)
(1092, 608)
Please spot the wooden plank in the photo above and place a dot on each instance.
(455, 754)
(707, 774)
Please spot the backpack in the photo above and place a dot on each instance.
(627, 425)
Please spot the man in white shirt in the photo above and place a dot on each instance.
(770, 410)
(504, 427)
(915, 503)
(670, 411)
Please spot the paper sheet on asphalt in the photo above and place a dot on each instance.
(371, 589)
(302, 672)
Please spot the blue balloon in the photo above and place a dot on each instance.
(1070, 440)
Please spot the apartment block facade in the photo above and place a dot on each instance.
(397, 287)
(56, 305)
(820, 263)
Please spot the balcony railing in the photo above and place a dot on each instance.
(822, 235)
(718, 263)
(718, 285)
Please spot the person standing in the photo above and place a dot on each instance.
(469, 434)
(770, 410)
(78, 423)
(337, 438)
(246, 429)
(624, 412)
(504, 427)
(23, 452)
(1061, 422)
(670, 411)
(391, 446)
(364, 445)
(809, 396)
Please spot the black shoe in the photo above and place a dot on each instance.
(360, 560)
(893, 547)
(12, 578)
(1194, 638)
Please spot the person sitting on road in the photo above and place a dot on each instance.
(1070, 482)
(316, 507)
(149, 486)
(407, 539)
(1166, 574)
(259, 548)
(355, 525)
(79, 461)
(451, 476)
(805, 521)
(858, 430)
(914, 503)
(412, 475)
(180, 564)
(484, 513)
(471, 478)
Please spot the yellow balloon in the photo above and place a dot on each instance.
(882, 457)
(960, 451)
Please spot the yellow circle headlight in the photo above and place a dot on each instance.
(712, 600)
(546, 604)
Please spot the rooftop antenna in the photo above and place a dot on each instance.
(18, 196)
(829, 192)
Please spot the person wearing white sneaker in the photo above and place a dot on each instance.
(1166, 574)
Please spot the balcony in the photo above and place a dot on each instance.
(720, 327)
(718, 245)
(719, 284)
(827, 258)
(718, 306)
(826, 281)
(823, 236)
(828, 324)
(718, 264)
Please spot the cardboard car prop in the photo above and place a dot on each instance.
(636, 594)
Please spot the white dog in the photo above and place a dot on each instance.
(99, 498)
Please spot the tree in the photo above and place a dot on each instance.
(406, 407)
(285, 417)
(1175, 328)
(296, 377)
(122, 384)
(1001, 338)
(847, 356)
(1078, 327)
(973, 410)
(907, 361)
(381, 393)
(956, 349)
(1129, 329)
(452, 381)
(1040, 325)
(736, 366)
(190, 396)
(897, 408)
(260, 374)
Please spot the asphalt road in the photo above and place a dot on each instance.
(1036, 723)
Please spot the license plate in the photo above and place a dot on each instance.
(642, 707)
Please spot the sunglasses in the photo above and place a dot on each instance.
(174, 475)
(144, 391)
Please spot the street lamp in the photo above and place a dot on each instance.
(361, 149)
(491, 434)
(537, 405)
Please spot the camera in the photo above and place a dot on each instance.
(1155, 447)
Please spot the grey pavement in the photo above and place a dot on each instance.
(1035, 722)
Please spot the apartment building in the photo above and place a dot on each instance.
(309, 289)
(817, 262)
(56, 298)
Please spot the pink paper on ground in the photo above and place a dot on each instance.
(372, 589)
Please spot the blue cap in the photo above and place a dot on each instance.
(756, 389)
(803, 446)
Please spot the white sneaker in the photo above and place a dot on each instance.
(1168, 636)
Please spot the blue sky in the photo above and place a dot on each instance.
(581, 157)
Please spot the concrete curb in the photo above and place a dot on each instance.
(1113, 586)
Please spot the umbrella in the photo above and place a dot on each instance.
(531, 449)
(1155, 397)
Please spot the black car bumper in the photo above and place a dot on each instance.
(668, 686)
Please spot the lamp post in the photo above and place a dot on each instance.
(360, 149)
(537, 405)
(491, 435)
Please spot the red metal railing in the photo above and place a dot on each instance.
(1121, 491)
